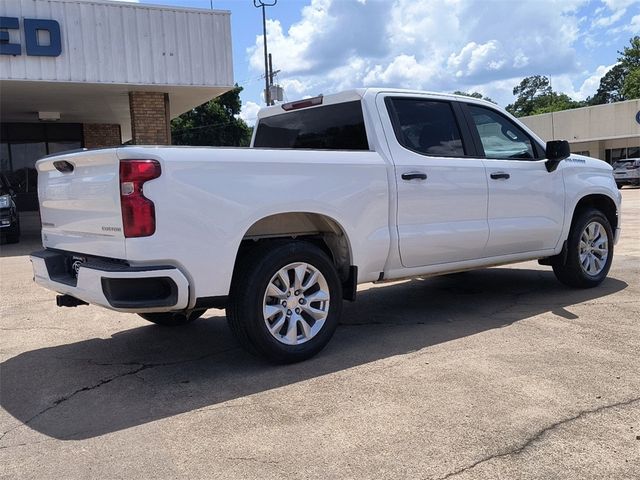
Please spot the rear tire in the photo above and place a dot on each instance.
(172, 319)
(15, 238)
(14, 235)
(589, 251)
(285, 300)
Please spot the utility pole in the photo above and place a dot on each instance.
(272, 74)
(263, 4)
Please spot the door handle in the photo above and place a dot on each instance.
(414, 176)
(500, 175)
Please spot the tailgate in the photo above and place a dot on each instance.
(79, 196)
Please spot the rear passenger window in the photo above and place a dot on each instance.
(426, 126)
(332, 127)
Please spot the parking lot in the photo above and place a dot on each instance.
(499, 373)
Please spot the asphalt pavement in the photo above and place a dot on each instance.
(498, 373)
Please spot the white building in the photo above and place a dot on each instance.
(96, 73)
(608, 132)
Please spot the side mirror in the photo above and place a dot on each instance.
(556, 151)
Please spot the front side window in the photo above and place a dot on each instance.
(500, 137)
(426, 126)
(331, 127)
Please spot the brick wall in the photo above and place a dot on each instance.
(97, 135)
(150, 118)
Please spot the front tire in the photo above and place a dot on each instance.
(172, 319)
(589, 251)
(285, 300)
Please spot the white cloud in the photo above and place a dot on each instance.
(565, 83)
(294, 87)
(295, 45)
(592, 82)
(617, 9)
(500, 91)
(403, 71)
(634, 25)
(249, 112)
(445, 45)
(615, 5)
(473, 58)
(611, 19)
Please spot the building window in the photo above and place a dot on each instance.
(22, 144)
(583, 152)
(614, 154)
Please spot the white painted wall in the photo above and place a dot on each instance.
(124, 43)
(600, 122)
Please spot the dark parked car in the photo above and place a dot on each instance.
(9, 220)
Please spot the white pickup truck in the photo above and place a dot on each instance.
(362, 186)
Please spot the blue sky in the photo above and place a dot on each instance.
(323, 46)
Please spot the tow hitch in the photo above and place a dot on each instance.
(68, 301)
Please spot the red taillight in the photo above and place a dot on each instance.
(138, 212)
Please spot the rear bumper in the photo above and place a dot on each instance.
(627, 178)
(117, 286)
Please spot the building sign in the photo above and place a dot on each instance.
(35, 33)
(638, 117)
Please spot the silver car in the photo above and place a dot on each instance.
(627, 172)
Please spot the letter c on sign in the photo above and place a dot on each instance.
(33, 47)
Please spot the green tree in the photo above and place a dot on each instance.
(631, 88)
(555, 102)
(534, 95)
(529, 93)
(622, 82)
(610, 89)
(630, 56)
(630, 61)
(214, 123)
(474, 95)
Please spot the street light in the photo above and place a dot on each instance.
(262, 4)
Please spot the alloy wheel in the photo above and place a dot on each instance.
(594, 248)
(296, 303)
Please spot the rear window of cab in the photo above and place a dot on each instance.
(331, 127)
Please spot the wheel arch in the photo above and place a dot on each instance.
(318, 228)
(601, 202)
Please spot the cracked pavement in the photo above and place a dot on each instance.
(500, 373)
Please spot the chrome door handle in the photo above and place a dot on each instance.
(414, 176)
(500, 176)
